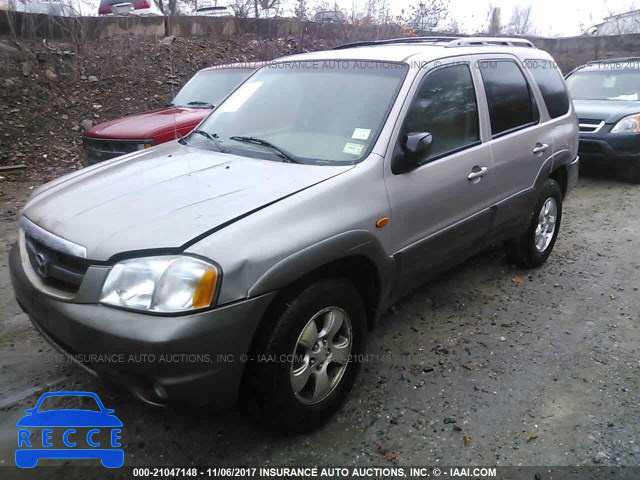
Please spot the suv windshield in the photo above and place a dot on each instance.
(319, 112)
(605, 85)
(208, 88)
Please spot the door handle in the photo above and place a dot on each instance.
(477, 173)
(540, 148)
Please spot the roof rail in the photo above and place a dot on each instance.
(481, 41)
(614, 60)
(394, 41)
(447, 41)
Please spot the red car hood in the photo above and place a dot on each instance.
(147, 125)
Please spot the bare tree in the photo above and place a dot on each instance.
(260, 5)
(427, 14)
(300, 10)
(453, 26)
(241, 8)
(520, 23)
(375, 12)
(495, 23)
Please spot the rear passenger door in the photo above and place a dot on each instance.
(521, 138)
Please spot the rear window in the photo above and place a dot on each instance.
(511, 104)
(551, 86)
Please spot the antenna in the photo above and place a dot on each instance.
(173, 91)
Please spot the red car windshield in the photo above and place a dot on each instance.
(208, 88)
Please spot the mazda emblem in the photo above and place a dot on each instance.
(41, 265)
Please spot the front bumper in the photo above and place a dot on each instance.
(612, 152)
(196, 359)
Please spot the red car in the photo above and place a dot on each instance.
(108, 7)
(191, 105)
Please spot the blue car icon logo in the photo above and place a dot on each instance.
(69, 433)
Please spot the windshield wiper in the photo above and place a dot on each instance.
(264, 143)
(213, 138)
(197, 103)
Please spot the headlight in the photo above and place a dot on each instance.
(629, 124)
(163, 284)
(145, 145)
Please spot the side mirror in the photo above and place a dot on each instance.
(415, 147)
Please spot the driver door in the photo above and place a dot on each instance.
(440, 210)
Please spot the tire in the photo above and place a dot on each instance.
(634, 175)
(321, 382)
(534, 247)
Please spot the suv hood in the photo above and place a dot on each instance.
(611, 111)
(164, 197)
(146, 125)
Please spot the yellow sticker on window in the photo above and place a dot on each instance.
(353, 148)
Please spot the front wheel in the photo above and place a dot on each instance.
(306, 360)
(534, 247)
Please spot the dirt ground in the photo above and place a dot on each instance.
(531, 367)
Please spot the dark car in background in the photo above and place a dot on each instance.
(189, 107)
(55, 9)
(330, 16)
(214, 11)
(606, 96)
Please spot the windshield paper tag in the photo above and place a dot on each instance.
(361, 134)
(353, 149)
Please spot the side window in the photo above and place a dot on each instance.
(445, 106)
(511, 104)
(551, 86)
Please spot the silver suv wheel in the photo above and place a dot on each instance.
(321, 355)
(546, 224)
(314, 336)
(533, 247)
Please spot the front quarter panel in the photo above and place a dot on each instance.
(282, 242)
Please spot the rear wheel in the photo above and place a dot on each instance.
(534, 247)
(305, 363)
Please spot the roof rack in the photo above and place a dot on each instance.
(446, 41)
(481, 41)
(393, 41)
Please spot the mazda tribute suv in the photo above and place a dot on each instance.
(249, 260)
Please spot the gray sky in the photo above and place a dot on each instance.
(550, 17)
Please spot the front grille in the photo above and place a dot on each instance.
(100, 149)
(590, 125)
(57, 269)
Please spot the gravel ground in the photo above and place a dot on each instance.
(487, 365)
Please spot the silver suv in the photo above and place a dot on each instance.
(250, 259)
